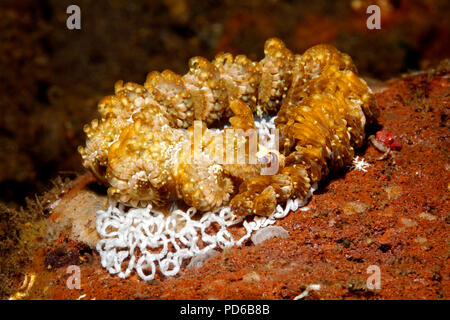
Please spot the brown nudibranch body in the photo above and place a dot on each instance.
(138, 150)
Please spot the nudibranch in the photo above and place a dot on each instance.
(138, 147)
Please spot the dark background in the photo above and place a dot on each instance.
(51, 78)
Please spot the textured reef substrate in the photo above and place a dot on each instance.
(395, 215)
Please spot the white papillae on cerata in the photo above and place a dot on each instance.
(146, 240)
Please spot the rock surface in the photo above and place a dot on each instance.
(394, 216)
